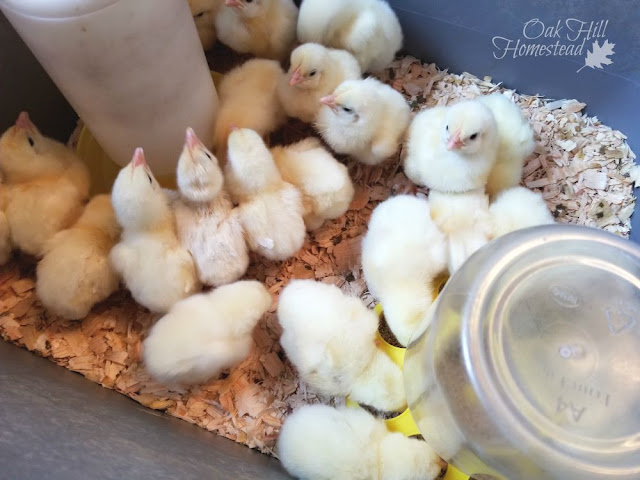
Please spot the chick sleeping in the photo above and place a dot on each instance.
(205, 333)
(270, 209)
(365, 119)
(264, 28)
(324, 182)
(315, 71)
(319, 442)
(75, 272)
(46, 185)
(331, 340)
(402, 254)
(248, 99)
(369, 29)
(208, 226)
(155, 268)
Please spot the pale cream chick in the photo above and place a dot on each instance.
(515, 143)
(331, 340)
(315, 72)
(452, 149)
(204, 15)
(517, 208)
(205, 333)
(319, 442)
(403, 253)
(264, 28)
(149, 257)
(369, 29)
(365, 119)
(270, 209)
(324, 182)
(75, 272)
(46, 185)
(248, 99)
(208, 225)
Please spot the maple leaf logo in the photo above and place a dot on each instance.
(599, 56)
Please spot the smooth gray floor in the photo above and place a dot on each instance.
(56, 425)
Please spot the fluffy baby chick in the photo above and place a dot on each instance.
(452, 149)
(46, 185)
(248, 99)
(515, 143)
(205, 333)
(364, 118)
(319, 442)
(402, 253)
(314, 73)
(367, 28)
(271, 209)
(204, 14)
(331, 340)
(75, 272)
(517, 208)
(264, 28)
(208, 226)
(324, 182)
(155, 268)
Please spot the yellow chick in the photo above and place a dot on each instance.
(270, 209)
(75, 272)
(324, 182)
(331, 340)
(315, 72)
(365, 119)
(46, 185)
(5, 239)
(208, 225)
(319, 442)
(264, 28)
(248, 99)
(205, 333)
(369, 29)
(153, 265)
(204, 15)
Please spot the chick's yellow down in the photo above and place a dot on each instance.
(204, 15)
(149, 257)
(264, 28)
(75, 272)
(248, 99)
(315, 71)
(46, 185)
(325, 184)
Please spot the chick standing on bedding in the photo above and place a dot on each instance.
(204, 15)
(248, 99)
(315, 72)
(325, 184)
(155, 268)
(208, 226)
(515, 143)
(205, 333)
(46, 185)
(365, 119)
(331, 340)
(369, 29)
(75, 272)
(270, 209)
(264, 28)
(319, 442)
(402, 253)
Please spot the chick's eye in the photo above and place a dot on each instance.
(347, 109)
(150, 180)
(31, 142)
(208, 155)
(199, 15)
(474, 136)
(447, 128)
(312, 73)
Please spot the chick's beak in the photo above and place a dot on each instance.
(329, 101)
(192, 140)
(454, 142)
(233, 3)
(138, 159)
(24, 122)
(296, 77)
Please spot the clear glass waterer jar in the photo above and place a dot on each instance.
(134, 70)
(528, 366)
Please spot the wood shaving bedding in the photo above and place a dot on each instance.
(584, 169)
